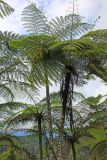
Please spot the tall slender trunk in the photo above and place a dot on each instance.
(64, 95)
(60, 138)
(72, 127)
(51, 141)
(40, 138)
(12, 155)
(49, 116)
(73, 150)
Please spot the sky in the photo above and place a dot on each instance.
(90, 9)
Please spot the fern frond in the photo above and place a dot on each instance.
(97, 36)
(34, 20)
(11, 106)
(69, 26)
(5, 92)
(5, 9)
(30, 114)
(13, 142)
(34, 46)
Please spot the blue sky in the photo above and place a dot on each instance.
(90, 9)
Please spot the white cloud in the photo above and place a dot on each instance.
(103, 13)
(89, 8)
(93, 88)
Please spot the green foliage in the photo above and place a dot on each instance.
(12, 148)
(99, 151)
(5, 92)
(46, 57)
(41, 59)
(64, 27)
(7, 155)
(69, 26)
(98, 36)
(34, 46)
(34, 20)
(5, 9)
(10, 106)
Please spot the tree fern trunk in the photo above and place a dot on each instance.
(73, 134)
(40, 138)
(51, 142)
(49, 115)
(60, 138)
(73, 150)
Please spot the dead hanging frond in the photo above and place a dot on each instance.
(67, 86)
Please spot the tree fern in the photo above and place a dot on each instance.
(41, 59)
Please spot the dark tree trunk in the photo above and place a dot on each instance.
(40, 138)
(73, 150)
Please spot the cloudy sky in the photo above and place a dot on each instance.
(91, 9)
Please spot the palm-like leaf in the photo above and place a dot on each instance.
(34, 20)
(13, 72)
(5, 9)
(99, 150)
(13, 142)
(92, 111)
(69, 26)
(5, 92)
(12, 106)
(40, 57)
(65, 27)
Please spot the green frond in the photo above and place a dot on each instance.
(77, 96)
(34, 20)
(30, 114)
(5, 9)
(69, 26)
(5, 92)
(11, 106)
(99, 151)
(34, 46)
(40, 57)
(100, 115)
(98, 71)
(14, 144)
(77, 48)
(96, 103)
(9, 138)
(97, 36)
(6, 36)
